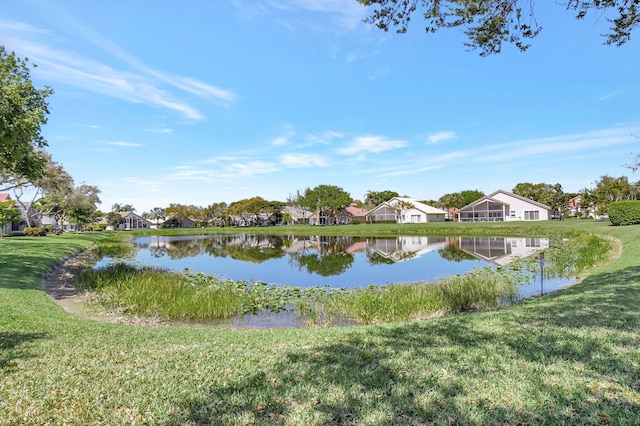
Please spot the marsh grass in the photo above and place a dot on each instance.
(480, 289)
(159, 293)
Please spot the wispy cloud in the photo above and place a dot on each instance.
(373, 144)
(572, 144)
(160, 130)
(227, 171)
(140, 84)
(304, 160)
(346, 14)
(610, 95)
(441, 136)
(125, 144)
(323, 138)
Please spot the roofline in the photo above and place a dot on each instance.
(511, 194)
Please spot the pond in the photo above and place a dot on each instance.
(335, 262)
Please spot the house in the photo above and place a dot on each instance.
(355, 213)
(131, 221)
(175, 222)
(296, 215)
(405, 210)
(577, 209)
(8, 228)
(503, 206)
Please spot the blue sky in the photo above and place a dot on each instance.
(199, 102)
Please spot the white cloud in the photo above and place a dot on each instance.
(304, 160)
(374, 144)
(280, 141)
(323, 138)
(125, 144)
(441, 136)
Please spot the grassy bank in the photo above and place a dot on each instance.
(571, 357)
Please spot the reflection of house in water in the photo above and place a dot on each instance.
(407, 247)
(501, 251)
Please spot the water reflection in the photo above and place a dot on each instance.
(345, 262)
(338, 262)
(502, 251)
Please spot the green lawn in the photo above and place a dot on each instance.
(572, 357)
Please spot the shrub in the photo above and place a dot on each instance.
(34, 232)
(625, 212)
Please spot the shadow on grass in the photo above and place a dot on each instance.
(11, 348)
(571, 357)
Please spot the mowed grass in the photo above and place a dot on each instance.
(572, 357)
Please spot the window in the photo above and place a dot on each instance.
(513, 213)
(533, 242)
(532, 215)
(415, 218)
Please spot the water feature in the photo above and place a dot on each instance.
(337, 262)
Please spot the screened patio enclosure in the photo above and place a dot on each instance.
(484, 211)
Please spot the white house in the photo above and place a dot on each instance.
(406, 210)
(131, 221)
(503, 206)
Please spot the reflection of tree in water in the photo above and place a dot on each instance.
(250, 248)
(184, 248)
(454, 253)
(255, 254)
(326, 264)
(324, 255)
(256, 248)
(158, 251)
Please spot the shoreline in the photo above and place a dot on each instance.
(58, 284)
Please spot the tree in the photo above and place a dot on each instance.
(117, 207)
(82, 204)
(157, 214)
(328, 199)
(551, 195)
(401, 207)
(23, 111)
(114, 219)
(216, 213)
(490, 23)
(373, 198)
(469, 196)
(532, 191)
(179, 212)
(8, 214)
(54, 179)
(634, 166)
(54, 205)
(252, 210)
(451, 200)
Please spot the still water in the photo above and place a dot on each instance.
(337, 262)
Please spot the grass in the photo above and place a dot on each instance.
(571, 357)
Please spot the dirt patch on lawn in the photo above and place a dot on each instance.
(59, 284)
